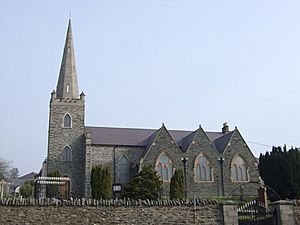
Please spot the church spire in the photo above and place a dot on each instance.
(67, 86)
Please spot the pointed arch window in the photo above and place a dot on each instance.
(202, 168)
(123, 170)
(238, 169)
(67, 121)
(67, 154)
(164, 167)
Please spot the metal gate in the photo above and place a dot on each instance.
(254, 213)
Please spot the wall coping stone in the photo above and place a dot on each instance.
(229, 202)
(104, 202)
(283, 202)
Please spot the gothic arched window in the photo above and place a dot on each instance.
(164, 166)
(67, 121)
(202, 169)
(238, 169)
(67, 154)
(123, 170)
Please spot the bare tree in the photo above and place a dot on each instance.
(14, 174)
(5, 167)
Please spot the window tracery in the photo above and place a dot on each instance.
(164, 166)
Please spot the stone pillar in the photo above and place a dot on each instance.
(230, 215)
(284, 212)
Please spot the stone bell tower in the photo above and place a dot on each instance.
(66, 123)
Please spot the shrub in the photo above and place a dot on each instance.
(177, 185)
(145, 185)
(101, 182)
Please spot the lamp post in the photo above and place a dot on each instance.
(221, 160)
(184, 160)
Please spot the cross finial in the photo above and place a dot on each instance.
(70, 14)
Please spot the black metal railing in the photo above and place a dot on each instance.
(254, 213)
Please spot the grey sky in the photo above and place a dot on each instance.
(141, 63)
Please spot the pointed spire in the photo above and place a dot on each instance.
(67, 86)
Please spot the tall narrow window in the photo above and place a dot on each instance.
(159, 169)
(67, 121)
(164, 167)
(67, 154)
(68, 88)
(202, 169)
(238, 169)
(123, 170)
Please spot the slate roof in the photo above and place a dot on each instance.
(28, 176)
(222, 141)
(145, 137)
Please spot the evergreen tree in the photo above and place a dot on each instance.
(177, 185)
(280, 170)
(145, 185)
(26, 189)
(101, 182)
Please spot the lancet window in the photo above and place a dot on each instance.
(164, 167)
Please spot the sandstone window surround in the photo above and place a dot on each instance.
(67, 121)
(239, 169)
(203, 170)
(67, 154)
(164, 166)
(123, 170)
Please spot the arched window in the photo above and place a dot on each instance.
(238, 169)
(67, 121)
(164, 166)
(123, 170)
(67, 154)
(202, 169)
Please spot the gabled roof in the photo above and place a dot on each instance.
(222, 141)
(145, 137)
(186, 141)
(28, 176)
(119, 136)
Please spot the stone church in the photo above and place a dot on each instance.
(214, 163)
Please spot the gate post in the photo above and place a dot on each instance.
(230, 215)
(284, 212)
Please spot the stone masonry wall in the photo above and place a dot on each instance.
(138, 212)
(297, 212)
(238, 146)
(60, 137)
(111, 215)
(164, 143)
(104, 155)
(201, 144)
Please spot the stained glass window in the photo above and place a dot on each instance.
(123, 170)
(202, 169)
(238, 169)
(164, 167)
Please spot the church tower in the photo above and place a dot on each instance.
(66, 123)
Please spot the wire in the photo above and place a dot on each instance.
(260, 144)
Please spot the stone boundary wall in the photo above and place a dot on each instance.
(297, 212)
(103, 202)
(81, 211)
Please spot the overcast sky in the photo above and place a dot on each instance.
(141, 63)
